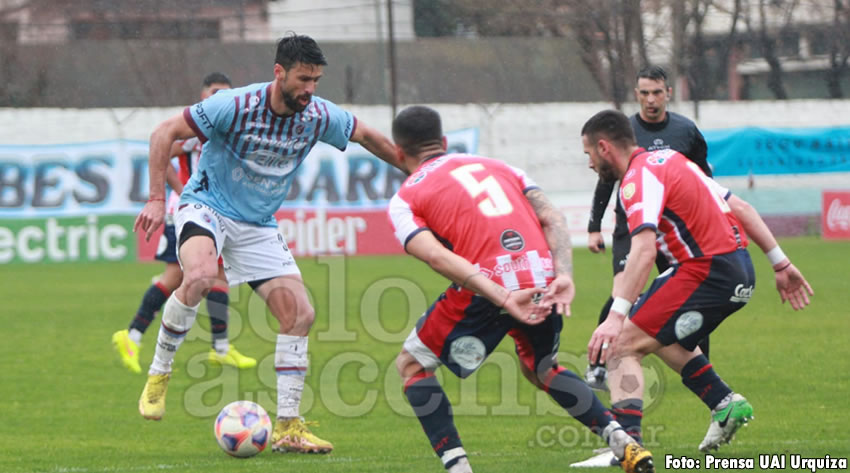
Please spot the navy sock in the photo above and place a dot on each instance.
(629, 413)
(602, 316)
(571, 393)
(700, 378)
(434, 411)
(217, 300)
(152, 301)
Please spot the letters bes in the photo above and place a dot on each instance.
(835, 216)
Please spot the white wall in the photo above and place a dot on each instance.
(541, 138)
(340, 20)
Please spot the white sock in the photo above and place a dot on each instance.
(290, 362)
(221, 345)
(135, 336)
(177, 319)
(617, 438)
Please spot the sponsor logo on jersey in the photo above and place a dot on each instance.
(511, 240)
(688, 324)
(268, 163)
(742, 293)
(659, 157)
(629, 191)
(202, 116)
(254, 101)
(634, 208)
(629, 174)
(658, 142)
(415, 178)
(468, 352)
(520, 264)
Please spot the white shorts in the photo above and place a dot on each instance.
(250, 252)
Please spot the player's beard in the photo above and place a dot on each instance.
(294, 103)
(606, 171)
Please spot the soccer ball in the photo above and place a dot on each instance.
(243, 429)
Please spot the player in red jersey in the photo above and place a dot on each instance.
(489, 229)
(674, 208)
(127, 343)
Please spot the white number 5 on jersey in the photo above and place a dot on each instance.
(496, 203)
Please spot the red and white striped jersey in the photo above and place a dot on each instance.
(187, 162)
(667, 192)
(477, 207)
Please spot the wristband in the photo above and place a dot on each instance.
(776, 255)
(161, 199)
(463, 284)
(506, 300)
(621, 305)
(782, 268)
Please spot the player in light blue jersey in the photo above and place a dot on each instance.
(255, 138)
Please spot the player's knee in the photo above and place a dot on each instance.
(407, 365)
(534, 377)
(305, 314)
(200, 277)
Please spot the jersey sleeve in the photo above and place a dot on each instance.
(340, 127)
(642, 195)
(601, 197)
(699, 151)
(188, 145)
(207, 116)
(405, 223)
(526, 182)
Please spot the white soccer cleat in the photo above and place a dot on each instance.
(604, 459)
(726, 419)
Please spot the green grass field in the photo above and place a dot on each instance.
(68, 406)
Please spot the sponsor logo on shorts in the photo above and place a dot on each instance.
(511, 240)
(742, 293)
(468, 352)
(688, 324)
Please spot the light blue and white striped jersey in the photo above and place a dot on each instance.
(250, 154)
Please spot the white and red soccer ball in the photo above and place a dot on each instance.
(243, 429)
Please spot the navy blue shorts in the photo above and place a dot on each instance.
(460, 330)
(688, 301)
(167, 249)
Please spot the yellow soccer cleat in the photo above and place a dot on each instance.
(152, 402)
(293, 436)
(232, 358)
(637, 459)
(127, 350)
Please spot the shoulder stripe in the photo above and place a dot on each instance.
(187, 115)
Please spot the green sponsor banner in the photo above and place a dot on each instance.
(67, 239)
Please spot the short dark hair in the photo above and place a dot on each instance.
(417, 127)
(611, 125)
(652, 72)
(216, 78)
(303, 49)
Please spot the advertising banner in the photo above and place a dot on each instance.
(836, 215)
(744, 151)
(67, 239)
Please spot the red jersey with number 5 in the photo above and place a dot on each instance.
(477, 207)
(665, 191)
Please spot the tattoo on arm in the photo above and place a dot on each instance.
(554, 229)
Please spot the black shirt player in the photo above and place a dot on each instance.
(655, 128)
